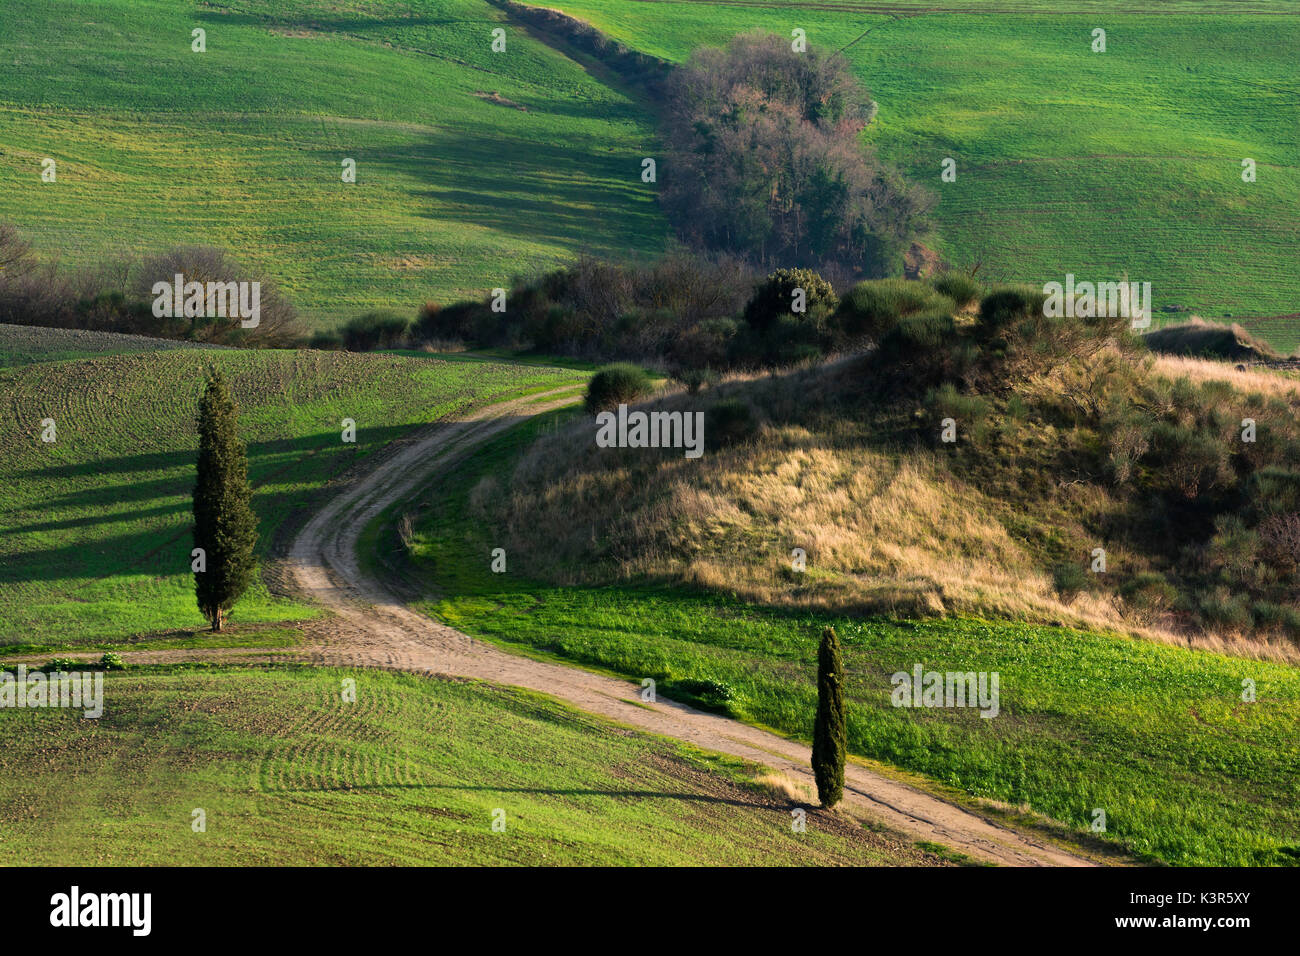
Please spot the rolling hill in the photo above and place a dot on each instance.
(474, 165)
(241, 146)
(97, 522)
(1067, 160)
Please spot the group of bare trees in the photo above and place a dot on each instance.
(766, 161)
(116, 295)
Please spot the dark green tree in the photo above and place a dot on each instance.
(225, 527)
(830, 735)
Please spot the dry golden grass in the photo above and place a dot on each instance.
(786, 787)
(884, 531)
(1282, 383)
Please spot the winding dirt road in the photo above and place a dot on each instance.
(374, 628)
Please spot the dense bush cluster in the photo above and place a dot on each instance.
(1041, 403)
(118, 297)
(696, 316)
(765, 161)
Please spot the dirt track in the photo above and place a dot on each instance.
(375, 629)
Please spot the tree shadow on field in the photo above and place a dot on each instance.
(566, 195)
(109, 485)
(755, 804)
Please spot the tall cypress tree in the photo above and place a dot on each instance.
(224, 524)
(830, 734)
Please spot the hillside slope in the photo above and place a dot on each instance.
(414, 772)
(97, 521)
(1098, 164)
(914, 488)
(241, 146)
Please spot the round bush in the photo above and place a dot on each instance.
(1005, 307)
(775, 297)
(729, 421)
(616, 385)
(918, 336)
(874, 307)
(959, 287)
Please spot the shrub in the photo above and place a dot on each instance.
(874, 307)
(1191, 461)
(1006, 307)
(711, 695)
(1278, 617)
(918, 337)
(374, 330)
(1279, 536)
(1274, 490)
(1149, 592)
(112, 662)
(947, 402)
(65, 664)
(1069, 580)
(696, 378)
(615, 385)
(961, 288)
(728, 422)
(1221, 608)
(775, 296)
(1209, 340)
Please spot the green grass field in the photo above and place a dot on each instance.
(97, 523)
(241, 146)
(1068, 160)
(23, 345)
(1156, 736)
(412, 772)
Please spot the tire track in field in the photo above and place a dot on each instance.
(374, 628)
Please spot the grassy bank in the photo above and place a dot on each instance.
(413, 772)
(1156, 736)
(97, 522)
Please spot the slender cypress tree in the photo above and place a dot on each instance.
(830, 734)
(224, 524)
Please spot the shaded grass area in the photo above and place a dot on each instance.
(241, 146)
(1158, 737)
(97, 523)
(413, 772)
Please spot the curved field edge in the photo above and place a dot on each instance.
(97, 542)
(415, 770)
(1157, 737)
